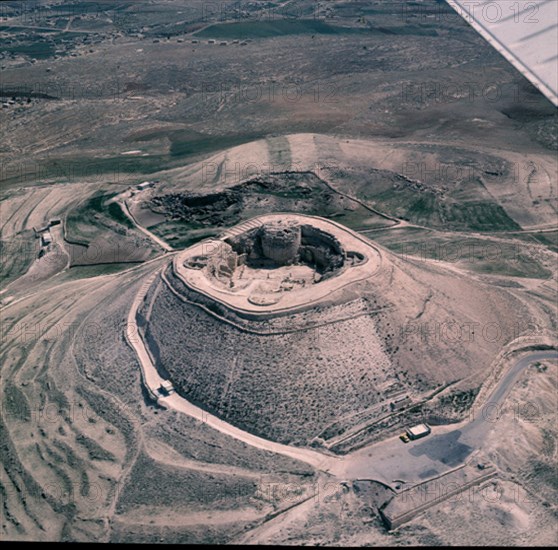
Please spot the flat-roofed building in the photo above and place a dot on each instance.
(418, 431)
(46, 238)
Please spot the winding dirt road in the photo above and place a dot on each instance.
(387, 461)
(153, 381)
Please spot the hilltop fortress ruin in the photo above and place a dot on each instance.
(300, 330)
(277, 262)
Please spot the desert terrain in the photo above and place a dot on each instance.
(134, 135)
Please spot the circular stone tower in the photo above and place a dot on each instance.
(281, 241)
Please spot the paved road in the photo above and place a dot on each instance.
(390, 461)
(476, 430)
(447, 448)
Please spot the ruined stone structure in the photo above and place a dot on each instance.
(321, 249)
(286, 242)
(277, 261)
(281, 241)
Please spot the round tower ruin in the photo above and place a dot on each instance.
(281, 241)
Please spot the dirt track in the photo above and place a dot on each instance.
(385, 462)
(153, 382)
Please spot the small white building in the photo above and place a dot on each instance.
(145, 185)
(418, 431)
(46, 238)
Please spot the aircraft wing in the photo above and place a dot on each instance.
(524, 32)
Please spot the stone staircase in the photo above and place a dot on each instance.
(242, 228)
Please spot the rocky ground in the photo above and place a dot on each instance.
(398, 110)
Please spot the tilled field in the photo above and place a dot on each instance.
(75, 427)
(402, 109)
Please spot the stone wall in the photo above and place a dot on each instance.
(313, 236)
(281, 242)
(287, 242)
(321, 248)
(246, 242)
(224, 262)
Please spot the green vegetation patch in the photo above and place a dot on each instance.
(186, 144)
(99, 232)
(15, 404)
(459, 401)
(38, 50)
(182, 234)
(266, 29)
(549, 239)
(84, 222)
(298, 26)
(192, 217)
(432, 210)
(96, 452)
(154, 484)
(510, 258)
